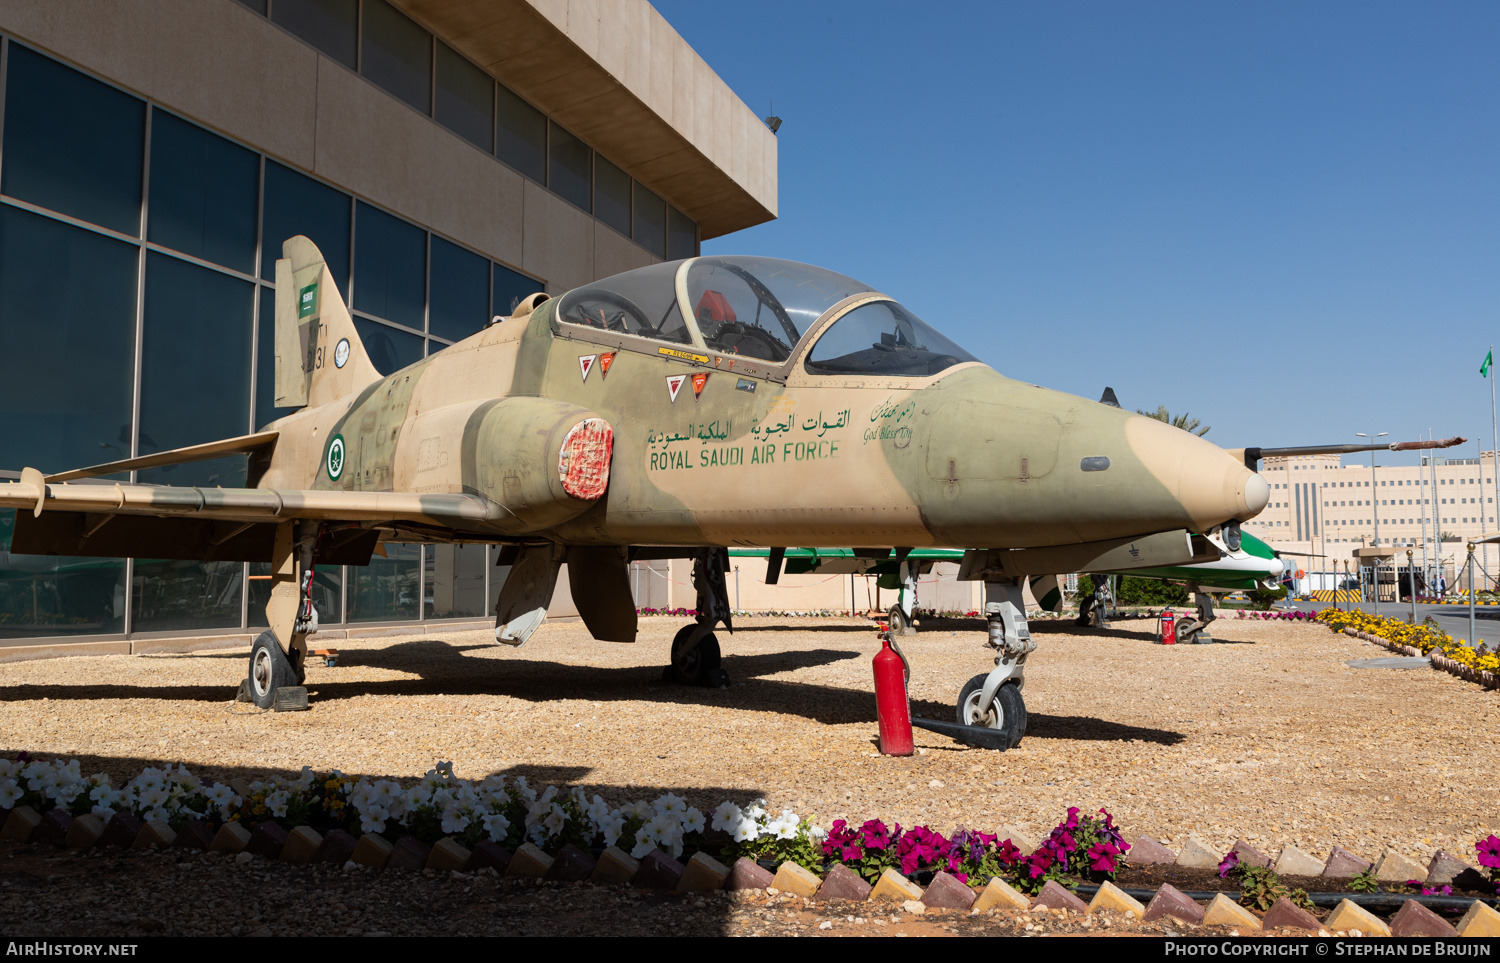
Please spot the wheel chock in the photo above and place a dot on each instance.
(290, 698)
(981, 737)
(244, 694)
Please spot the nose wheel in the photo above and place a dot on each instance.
(1006, 711)
(270, 669)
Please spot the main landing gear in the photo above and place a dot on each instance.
(994, 700)
(1195, 630)
(695, 649)
(277, 671)
(1096, 609)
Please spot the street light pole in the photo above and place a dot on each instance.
(1411, 586)
(1375, 508)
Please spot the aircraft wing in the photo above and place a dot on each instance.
(215, 524)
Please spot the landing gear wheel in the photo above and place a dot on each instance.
(270, 670)
(1007, 712)
(696, 666)
(1185, 635)
(899, 623)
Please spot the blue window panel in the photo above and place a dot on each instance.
(396, 54)
(570, 171)
(510, 287)
(203, 194)
(389, 349)
(195, 368)
(47, 595)
(390, 267)
(465, 99)
(460, 299)
(521, 135)
(67, 337)
(329, 25)
(72, 144)
(297, 204)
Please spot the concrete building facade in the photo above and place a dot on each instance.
(1321, 507)
(448, 156)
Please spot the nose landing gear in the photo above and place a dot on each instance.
(695, 649)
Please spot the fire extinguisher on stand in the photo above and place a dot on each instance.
(892, 704)
(1168, 628)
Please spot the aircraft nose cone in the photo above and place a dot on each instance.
(1276, 567)
(1211, 485)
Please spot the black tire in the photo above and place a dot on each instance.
(697, 666)
(1012, 714)
(270, 670)
(899, 623)
(1184, 637)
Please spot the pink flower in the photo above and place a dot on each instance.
(1489, 852)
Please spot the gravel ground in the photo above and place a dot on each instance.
(1267, 735)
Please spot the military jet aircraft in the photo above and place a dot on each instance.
(670, 411)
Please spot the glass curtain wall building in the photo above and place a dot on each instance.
(137, 261)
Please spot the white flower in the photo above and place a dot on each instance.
(454, 820)
(10, 793)
(417, 796)
(277, 802)
(670, 803)
(640, 809)
(556, 820)
(103, 812)
(370, 823)
(153, 797)
(303, 782)
(497, 826)
(728, 815)
(611, 827)
(643, 846)
(692, 821)
(746, 830)
(525, 789)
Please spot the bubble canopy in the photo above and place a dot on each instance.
(764, 308)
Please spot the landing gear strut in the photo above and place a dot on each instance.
(994, 700)
(277, 670)
(1095, 610)
(695, 649)
(1195, 630)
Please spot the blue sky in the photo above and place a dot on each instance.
(1283, 218)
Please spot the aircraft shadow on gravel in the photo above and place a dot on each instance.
(446, 670)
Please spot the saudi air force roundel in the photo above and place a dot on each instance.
(334, 461)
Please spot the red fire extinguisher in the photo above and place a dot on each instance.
(1168, 628)
(892, 706)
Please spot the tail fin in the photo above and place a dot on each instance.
(319, 356)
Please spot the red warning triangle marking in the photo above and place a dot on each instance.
(699, 380)
(674, 385)
(586, 364)
(605, 360)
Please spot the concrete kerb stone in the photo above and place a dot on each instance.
(85, 831)
(946, 892)
(1249, 855)
(615, 867)
(53, 828)
(1286, 914)
(999, 895)
(1146, 851)
(794, 879)
(658, 871)
(337, 848)
(488, 855)
(529, 861)
(893, 886)
(1292, 861)
(703, 874)
(231, 838)
(571, 865)
(372, 850)
(301, 845)
(122, 830)
(448, 855)
(1112, 897)
(1197, 855)
(410, 854)
(1396, 868)
(1343, 864)
(156, 832)
(1019, 838)
(1349, 915)
(1414, 919)
(746, 873)
(266, 841)
(20, 824)
(194, 834)
(1224, 911)
(1479, 921)
(841, 882)
(1053, 896)
(1173, 902)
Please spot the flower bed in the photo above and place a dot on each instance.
(1293, 616)
(1476, 665)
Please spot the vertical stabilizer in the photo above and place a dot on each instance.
(319, 356)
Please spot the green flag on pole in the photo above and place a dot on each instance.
(1484, 369)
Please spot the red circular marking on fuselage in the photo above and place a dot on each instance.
(584, 462)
